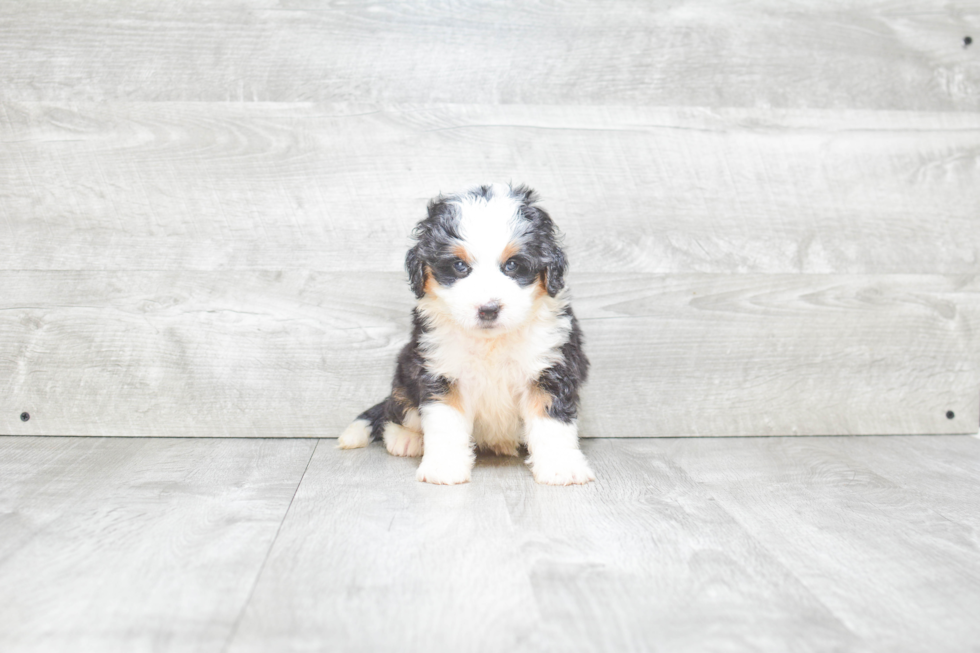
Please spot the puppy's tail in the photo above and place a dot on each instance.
(366, 427)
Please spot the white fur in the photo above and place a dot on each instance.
(494, 404)
(355, 436)
(448, 456)
(493, 370)
(486, 228)
(404, 439)
(493, 376)
(400, 441)
(555, 457)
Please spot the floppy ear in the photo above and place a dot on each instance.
(555, 270)
(416, 271)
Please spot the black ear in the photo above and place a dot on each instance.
(555, 269)
(416, 271)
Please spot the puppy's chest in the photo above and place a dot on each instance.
(496, 372)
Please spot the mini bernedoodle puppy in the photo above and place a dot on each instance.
(495, 358)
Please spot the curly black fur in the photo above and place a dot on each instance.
(563, 380)
(540, 257)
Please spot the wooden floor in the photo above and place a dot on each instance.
(688, 544)
(770, 212)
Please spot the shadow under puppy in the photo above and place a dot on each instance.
(495, 358)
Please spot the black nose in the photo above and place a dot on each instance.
(489, 312)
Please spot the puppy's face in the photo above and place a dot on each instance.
(485, 257)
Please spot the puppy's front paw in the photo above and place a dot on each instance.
(445, 470)
(561, 468)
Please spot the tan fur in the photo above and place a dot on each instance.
(399, 397)
(494, 378)
(513, 247)
(488, 336)
(535, 403)
(430, 283)
(452, 398)
(463, 253)
(540, 286)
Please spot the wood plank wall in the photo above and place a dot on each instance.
(772, 209)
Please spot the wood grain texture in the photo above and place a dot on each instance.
(336, 187)
(858, 526)
(770, 209)
(681, 545)
(136, 545)
(883, 54)
(287, 354)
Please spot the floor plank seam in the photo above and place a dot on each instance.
(265, 560)
(773, 554)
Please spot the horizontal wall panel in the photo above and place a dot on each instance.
(338, 188)
(782, 354)
(876, 55)
(299, 354)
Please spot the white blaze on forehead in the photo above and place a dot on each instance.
(487, 227)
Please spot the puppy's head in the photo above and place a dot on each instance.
(484, 257)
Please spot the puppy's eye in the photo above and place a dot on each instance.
(511, 266)
(460, 267)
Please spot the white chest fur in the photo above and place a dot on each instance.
(492, 376)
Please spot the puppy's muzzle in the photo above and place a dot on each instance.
(488, 312)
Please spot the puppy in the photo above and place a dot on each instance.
(495, 360)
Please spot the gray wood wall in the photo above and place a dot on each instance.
(772, 209)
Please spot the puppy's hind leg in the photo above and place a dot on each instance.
(355, 436)
(367, 425)
(402, 441)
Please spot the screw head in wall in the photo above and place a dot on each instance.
(25, 416)
(950, 414)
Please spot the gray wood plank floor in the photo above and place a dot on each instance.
(136, 545)
(770, 212)
(721, 544)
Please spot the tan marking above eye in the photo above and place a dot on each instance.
(512, 249)
(462, 253)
